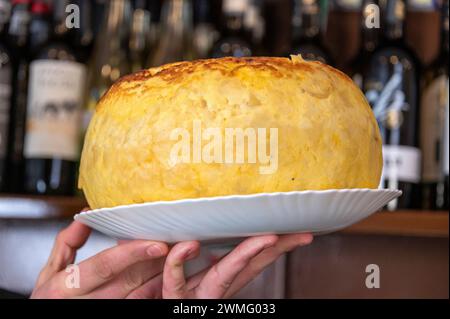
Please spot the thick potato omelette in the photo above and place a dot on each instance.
(327, 135)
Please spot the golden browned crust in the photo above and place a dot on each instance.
(228, 66)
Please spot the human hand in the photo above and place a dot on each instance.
(113, 273)
(139, 269)
(231, 273)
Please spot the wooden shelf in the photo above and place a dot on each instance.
(404, 223)
(39, 207)
(399, 223)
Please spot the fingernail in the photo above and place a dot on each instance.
(154, 250)
(270, 244)
(307, 240)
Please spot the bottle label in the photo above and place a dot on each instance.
(393, 107)
(432, 137)
(53, 122)
(5, 99)
(401, 164)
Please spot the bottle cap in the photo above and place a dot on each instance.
(40, 7)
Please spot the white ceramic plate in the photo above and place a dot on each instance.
(217, 218)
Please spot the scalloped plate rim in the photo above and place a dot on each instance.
(233, 197)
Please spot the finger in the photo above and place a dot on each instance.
(152, 289)
(128, 281)
(174, 283)
(218, 279)
(108, 264)
(285, 244)
(67, 242)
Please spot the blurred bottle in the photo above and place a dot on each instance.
(205, 33)
(306, 33)
(110, 56)
(5, 16)
(369, 42)
(235, 40)
(18, 39)
(254, 23)
(19, 24)
(434, 133)
(277, 29)
(391, 87)
(83, 37)
(140, 36)
(40, 26)
(175, 42)
(6, 81)
(154, 7)
(98, 15)
(55, 96)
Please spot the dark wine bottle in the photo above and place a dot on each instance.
(307, 39)
(55, 95)
(82, 37)
(235, 40)
(18, 39)
(205, 33)
(369, 41)
(109, 58)
(5, 89)
(140, 36)
(391, 87)
(434, 126)
(175, 36)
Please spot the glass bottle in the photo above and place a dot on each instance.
(205, 33)
(18, 40)
(110, 57)
(55, 97)
(391, 88)
(140, 36)
(175, 40)
(307, 39)
(235, 40)
(434, 133)
(6, 81)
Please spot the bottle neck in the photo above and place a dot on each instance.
(306, 19)
(84, 35)
(18, 30)
(5, 15)
(140, 29)
(40, 25)
(117, 17)
(202, 12)
(176, 17)
(369, 34)
(60, 28)
(393, 20)
(444, 30)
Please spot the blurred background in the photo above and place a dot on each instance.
(57, 58)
